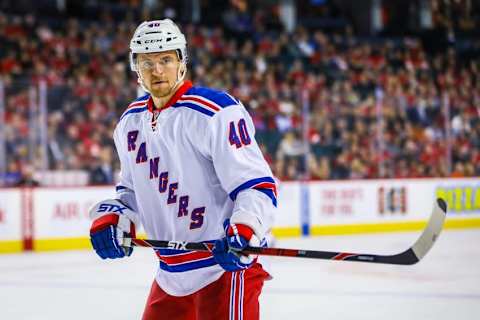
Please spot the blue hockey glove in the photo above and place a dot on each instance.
(227, 251)
(110, 225)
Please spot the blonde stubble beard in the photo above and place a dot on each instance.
(181, 73)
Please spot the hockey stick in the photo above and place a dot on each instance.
(410, 256)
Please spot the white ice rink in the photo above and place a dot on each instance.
(80, 286)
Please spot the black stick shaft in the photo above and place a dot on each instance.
(405, 258)
(408, 257)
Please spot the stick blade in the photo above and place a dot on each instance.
(432, 230)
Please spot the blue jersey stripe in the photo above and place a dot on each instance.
(188, 266)
(145, 97)
(194, 107)
(134, 111)
(251, 183)
(119, 188)
(219, 97)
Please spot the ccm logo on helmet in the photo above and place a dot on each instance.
(153, 40)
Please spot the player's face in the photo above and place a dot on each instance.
(159, 71)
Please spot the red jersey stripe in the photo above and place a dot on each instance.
(200, 101)
(137, 103)
(267, 185)
(184, 257)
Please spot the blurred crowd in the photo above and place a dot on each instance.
(326, 105)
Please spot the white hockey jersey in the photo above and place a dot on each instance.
(185, 173)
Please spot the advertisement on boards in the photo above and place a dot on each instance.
(10, 215)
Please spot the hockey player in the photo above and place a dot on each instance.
(191, 170)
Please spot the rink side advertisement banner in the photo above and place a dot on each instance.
(390, 205)
(63, 213)
(57, 218)
(11, 239)
(287, 219)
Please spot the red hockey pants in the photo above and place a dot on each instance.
(232, 297)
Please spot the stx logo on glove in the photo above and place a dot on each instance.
(106, 207)
(177, 245)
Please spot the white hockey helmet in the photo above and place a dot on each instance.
(157, 36)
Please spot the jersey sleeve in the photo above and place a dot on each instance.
(242, 170)
(124, 188)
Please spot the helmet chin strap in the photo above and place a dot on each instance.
(181, 73)
(140, 82)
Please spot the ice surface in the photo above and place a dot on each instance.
(78, 285)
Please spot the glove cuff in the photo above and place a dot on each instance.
(250, 221)
(123, 223)
(240, 229)
(103, 222)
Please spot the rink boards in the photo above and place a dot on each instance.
(57, 218)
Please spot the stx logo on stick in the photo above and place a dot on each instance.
(177, 245)
(105, 207)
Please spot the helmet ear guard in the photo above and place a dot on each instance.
(132, 57)
(182, 72)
